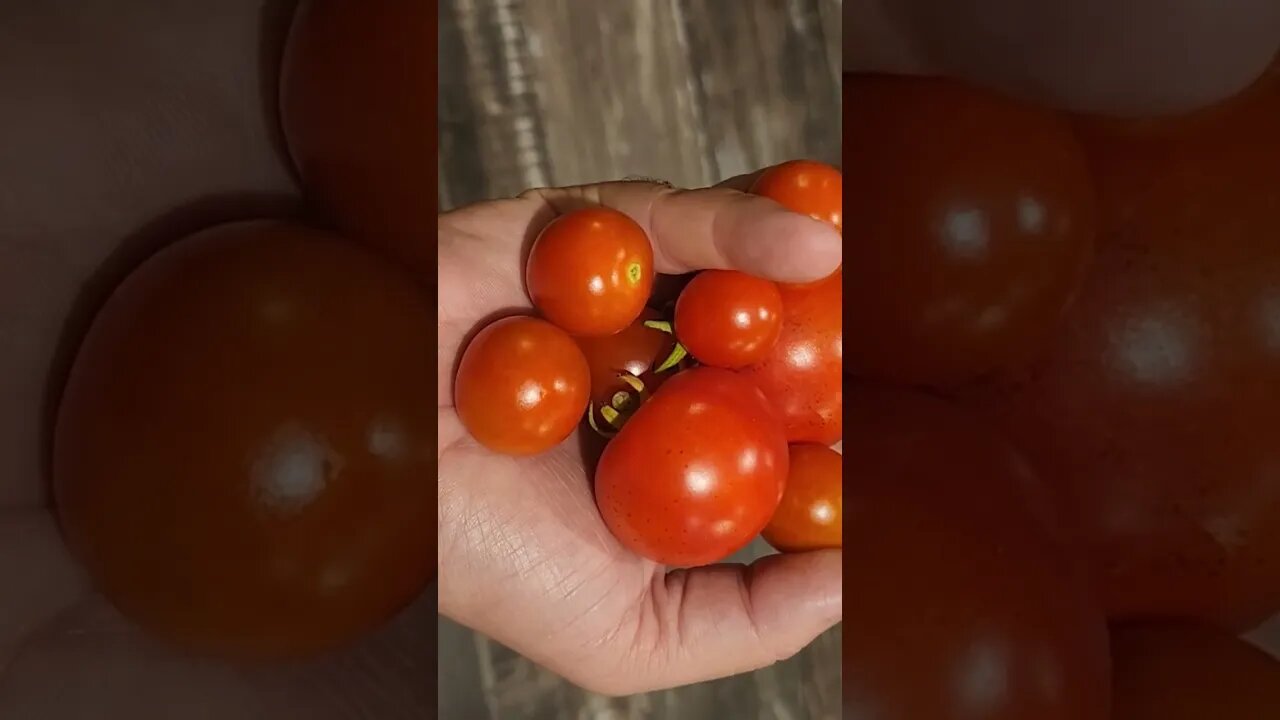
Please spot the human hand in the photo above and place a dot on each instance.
(524, 555)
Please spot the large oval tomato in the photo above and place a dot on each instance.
(811, 513)
(974, 223)
(1173, 671)
(967, 605)
(802, 375)
(243, 457)
(358, 104)
(728, 319)
(522, 386)
(696, 473)
(1154, 412)
(590, 271)
(807, 187)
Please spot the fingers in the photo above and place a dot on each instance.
(722, 620)
(714, 228)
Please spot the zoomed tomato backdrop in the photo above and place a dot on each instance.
(964, 602)
(358, 105)
(971, 222)
(1154, 411)
(243, 458)
(1185, 671)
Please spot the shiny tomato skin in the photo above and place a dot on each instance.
(728, 319)
(1182, 671)
(243, 453)
(358, 107)
(975, 225)
(811, 514)
(590, 271)
(807, 187)
(968, 605)
(1154, 413)
(522, 386)
(675, 486)
(637, 350)
(802, 375)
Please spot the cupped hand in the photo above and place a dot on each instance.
(524, 556)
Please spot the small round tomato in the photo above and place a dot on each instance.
(807, 187)
(1179, 671)
(633, 354)
(590, 271)
(522, 386)
(696, 472)
(802, 376)
(968, 602)
(728, 319)
(358, 106)
(971, 240)
(811, 514)
(243, 452)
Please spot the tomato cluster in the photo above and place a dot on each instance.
(1067, 358)
(698, 408)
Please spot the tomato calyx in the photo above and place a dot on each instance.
(607, 418)
(623, 403)
(678, 353)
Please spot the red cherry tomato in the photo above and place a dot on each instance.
(358, 105)
(1188, 672)
(591, 271)
(802, 375)
(522, 386)
(811, 514)
(242, 458)
(967, 605)
(1154, 413)
(804, 186)
(696, 473)
(729, 319)
(975, 223)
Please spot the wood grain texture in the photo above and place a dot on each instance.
(561, 92)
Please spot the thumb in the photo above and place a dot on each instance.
(713, 228)
(727, 619)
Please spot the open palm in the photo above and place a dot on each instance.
(524, 555)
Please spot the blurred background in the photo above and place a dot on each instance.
(562, 92)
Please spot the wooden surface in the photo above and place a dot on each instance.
(559, 92)
(556, 92)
